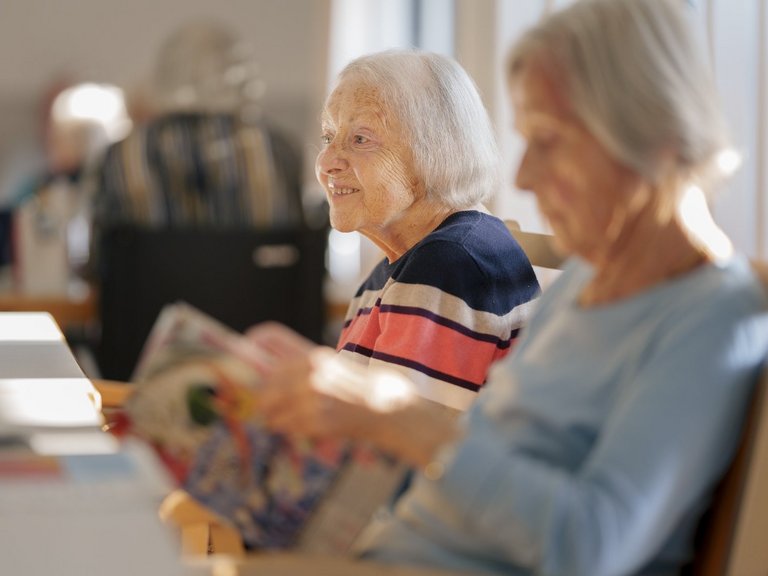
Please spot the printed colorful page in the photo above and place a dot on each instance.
(197, 404)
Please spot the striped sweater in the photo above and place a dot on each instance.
(446, 309)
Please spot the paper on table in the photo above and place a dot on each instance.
(29, 404)
(84, 514)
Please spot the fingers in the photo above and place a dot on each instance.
(298, 400)
(313, 416)
(320, 395)
(279, 340)
(298, 408)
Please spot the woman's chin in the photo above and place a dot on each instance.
(341, 225)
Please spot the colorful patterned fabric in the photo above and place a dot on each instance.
(199, 169)
(270, 496)
(446, 309)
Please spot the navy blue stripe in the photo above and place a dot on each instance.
(488, 269)
(377, 279)
(460, 328)
(432, 373)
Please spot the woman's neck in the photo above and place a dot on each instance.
(399, 237)
(647, 254)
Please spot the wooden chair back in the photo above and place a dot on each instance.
(733, 535)
(537, 246)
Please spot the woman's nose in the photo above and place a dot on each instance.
(330, 160)
(525, 178)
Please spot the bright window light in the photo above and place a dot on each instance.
(47, 402)
(728, 161)
(343, 255)
(696, 216)
(28, 326)
(102, 103)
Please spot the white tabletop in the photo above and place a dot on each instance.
(32, 346)
(73, 500)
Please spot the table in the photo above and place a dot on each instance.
(293, 564)
(77, 308)
(73, 500)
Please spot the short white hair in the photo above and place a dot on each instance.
(447, 127)
(636, 77)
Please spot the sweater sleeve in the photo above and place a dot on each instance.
(666, 442)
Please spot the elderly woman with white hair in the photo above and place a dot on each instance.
(408, 158)
(595, 446)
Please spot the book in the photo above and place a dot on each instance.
(196, 403)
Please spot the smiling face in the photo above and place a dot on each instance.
(581, 189)
(365, 165)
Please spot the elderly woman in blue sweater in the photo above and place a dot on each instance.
(596, 444)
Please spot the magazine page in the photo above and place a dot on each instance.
(196, 402)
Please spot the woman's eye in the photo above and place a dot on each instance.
(326, 139)
(361, 139)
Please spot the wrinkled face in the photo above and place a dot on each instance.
(580, 188)
(365, 165)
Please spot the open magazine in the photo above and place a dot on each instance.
(196, 402)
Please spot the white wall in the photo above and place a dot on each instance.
(116, 40)
(735, 35)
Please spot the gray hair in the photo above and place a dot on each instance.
(637, 79)
(204, 67)
(447, 127)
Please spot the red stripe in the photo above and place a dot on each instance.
(363, 330)
(441, 348)
(421, 340)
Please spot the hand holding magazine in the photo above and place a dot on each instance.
(197, 401)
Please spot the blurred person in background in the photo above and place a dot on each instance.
(51, 209)
(207, 157)
(206, 179)
(595, 447)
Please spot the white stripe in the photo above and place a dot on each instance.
(430, 388)
(446, 306)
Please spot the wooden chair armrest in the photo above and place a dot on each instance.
(203, 532)
(302, 564)
(113, 393)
